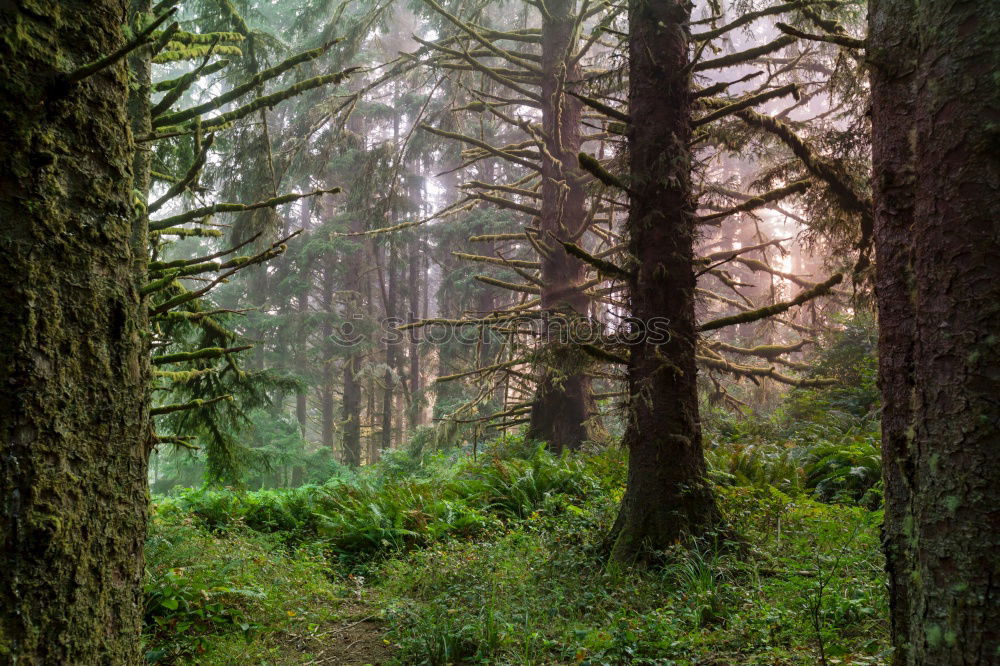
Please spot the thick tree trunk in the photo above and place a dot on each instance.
(936, 109)
(564, 413)
(74, 414)
(893, 106)
(666, 497)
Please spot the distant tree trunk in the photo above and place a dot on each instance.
(301, 349)
(329, 350)
(390, 351)
(666, 496)
(415, 286)
(352, 413)
(564, 413)
(936, 113)
(355, 270)
(74, 413)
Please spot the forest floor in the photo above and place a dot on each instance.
(442, 559)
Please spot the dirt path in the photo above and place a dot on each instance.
(357, 640)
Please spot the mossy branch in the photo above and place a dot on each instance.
(745, 56)
(196, 52)
(507, 203)
(496, 238)
(189, 177)
(605, 355)
(187, 232)
(480, 144)
(753, 100)
(143, 38)
(252, 84)
(187, 79)
(266, 102)
(753, 372)
(274, 250)
(205, 37)
(839, 40)
(759, 200)
(204, 354)
(519, 191)
(486, 43)
(511, 286)
(592, 166)
(749, 17)
(479, 371)
(601, 107)
(721, 86)
(198, 213)
(602, 266)
(193, 404)
(480, 67)
(497, 260)
(769, 352)
(769, 311)
(175, 92)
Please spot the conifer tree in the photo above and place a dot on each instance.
(936, 178)
(74, 369)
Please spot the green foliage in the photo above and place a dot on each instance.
(208, 595)
(403, 503)
(824, 441)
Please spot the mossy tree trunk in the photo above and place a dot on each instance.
(666, 497)
(936, 114)
(74, 415)
(564, 413)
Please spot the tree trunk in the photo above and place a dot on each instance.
(666, 497)
(414, 286)
(352, 413)
(564, 414)
(936, 109)
(74, 413)
(390, 351)
(329, 351)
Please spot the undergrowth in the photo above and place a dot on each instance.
(499, 560)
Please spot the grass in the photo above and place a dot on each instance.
(499, 560)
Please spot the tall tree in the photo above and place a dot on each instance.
(73, 355)
(666, 496)
(936, 108)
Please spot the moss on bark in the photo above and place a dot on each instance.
(74, 420)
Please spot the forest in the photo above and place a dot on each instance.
(513, 332)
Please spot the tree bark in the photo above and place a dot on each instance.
(74, 413)
(564, 414)
(666, 497)
(936, 110)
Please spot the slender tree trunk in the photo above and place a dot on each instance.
(936, 110)
(416, 283)
(329, 351)
(390, 351)
(666, 497)
(352, 413)
(564, 413)
(74, 414)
